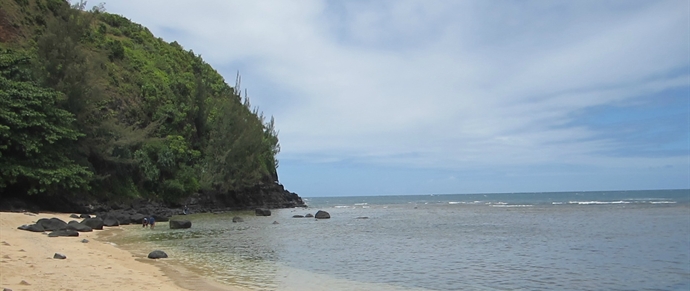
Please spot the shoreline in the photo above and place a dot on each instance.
(26, 261)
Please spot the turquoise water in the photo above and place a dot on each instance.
(638, 240)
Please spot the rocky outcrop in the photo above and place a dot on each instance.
(176, 224)
(157, 254)
(262, 212)
(322, 215)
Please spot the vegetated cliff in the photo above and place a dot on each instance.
(95, 110)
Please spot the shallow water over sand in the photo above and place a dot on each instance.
(534, 241)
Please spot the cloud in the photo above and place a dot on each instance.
(439, 84)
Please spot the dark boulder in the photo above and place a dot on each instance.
(63, 232)
(298, 216)
(137, 218)
(309, 215)
(59, 256)
(74, 225)
(175, 224)
(52, 223)
(157, 254)
(322, 215)
(237, 219)
(32, 227)
(110, 221)
(94, 223)
(73, 216)
(161, 217)
(84, 216)
(262, 212)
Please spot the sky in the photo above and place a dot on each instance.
(401, 97)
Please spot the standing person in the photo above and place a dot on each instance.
(186, 210)
(152, 222)
(145, 223)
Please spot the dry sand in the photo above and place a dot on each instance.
(26, 262)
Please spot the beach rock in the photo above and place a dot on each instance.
(157, 254)
(363, 217)
(322, 215)
(6, 289)
(262, 212)
(298, 216)
(94, 223)
(137, 218)
(24, 283)
(175, 224)
(309, 215)
(52, 223)
(74, 225)
(63, 232)
(237, 219)
(84, 240)
(276, 222)
(110, 221)
(59, 256)
(73, 216)
(84, 216)
(32, 227)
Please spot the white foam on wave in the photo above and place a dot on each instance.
(598, 202)
(361, 204)
(556, 203)
(341, 206)
(512, 205)
(662, 202)
(454, 202)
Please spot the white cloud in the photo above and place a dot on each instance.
(438, 83)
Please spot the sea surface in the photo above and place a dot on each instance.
(616, 240)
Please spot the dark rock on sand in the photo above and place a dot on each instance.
(110, 221)
(73, 216)
(309, 215)
(157, 254)
(237, 219)
(322, 215)
(363, 217)
(52, 223)
(63, 232)
(32, 227)
(262, 212)
(59, 256)
(74, 225)
(84, 216)
(85, 240)
(175, 224)
(94, 223)
(298, 216)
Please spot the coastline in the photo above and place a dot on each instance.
(26, 262)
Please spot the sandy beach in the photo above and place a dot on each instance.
(26, 262)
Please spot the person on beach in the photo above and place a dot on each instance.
(186, 210)
(152, 222)
(145, 223)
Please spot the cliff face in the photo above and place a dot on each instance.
(130, 117)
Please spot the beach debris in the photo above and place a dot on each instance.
(84, 240)
(237, 219)
(262, 212)
(322, 215)
(175, 224)
(157, 254)
(298, 216)
(309, 215)
(94, 223)
(59, 256)
(63, 232)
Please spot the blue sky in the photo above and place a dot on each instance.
(419, 97)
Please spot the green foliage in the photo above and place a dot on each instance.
(35, 135)
(154, 119)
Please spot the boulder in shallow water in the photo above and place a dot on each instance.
(262, 212)
(237, 219)
(175, 224)
(157, 254)
(322, 215)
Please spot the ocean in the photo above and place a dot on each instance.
(611, 240)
